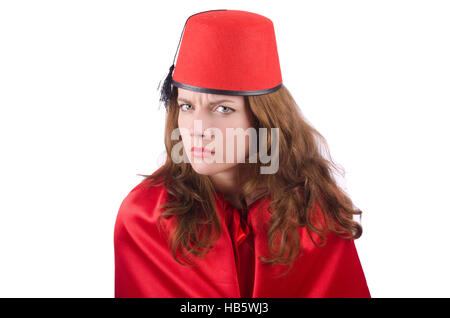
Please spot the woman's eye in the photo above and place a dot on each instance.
(222, 109)
(226, 109)
(181, 106)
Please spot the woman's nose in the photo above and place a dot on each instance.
(202, 133)
(201, 125)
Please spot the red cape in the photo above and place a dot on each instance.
(145, 267)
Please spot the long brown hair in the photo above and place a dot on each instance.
(305, 178)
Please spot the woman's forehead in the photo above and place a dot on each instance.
(191, 95)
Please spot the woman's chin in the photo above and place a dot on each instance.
(210, 169)
(205, 168)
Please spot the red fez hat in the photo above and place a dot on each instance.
(227, 52)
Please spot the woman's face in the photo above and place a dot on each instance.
(203, 120)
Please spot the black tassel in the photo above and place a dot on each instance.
(166, 90)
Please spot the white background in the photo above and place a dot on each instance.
(79, 120)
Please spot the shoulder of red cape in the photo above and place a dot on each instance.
(146, 197)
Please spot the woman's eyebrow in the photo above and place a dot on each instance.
(184, 100)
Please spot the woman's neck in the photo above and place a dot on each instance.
(226, 181)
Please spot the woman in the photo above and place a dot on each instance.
(223, 218)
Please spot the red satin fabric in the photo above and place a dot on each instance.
(144, 265)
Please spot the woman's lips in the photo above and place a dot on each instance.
(201, 152)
